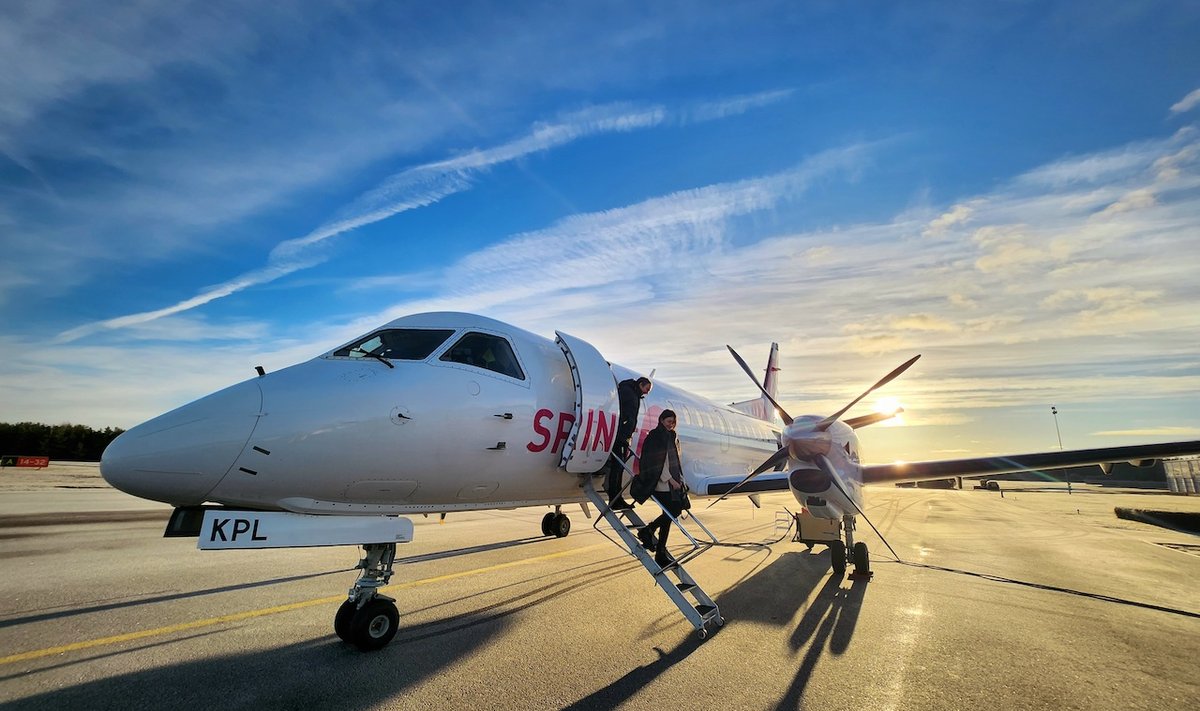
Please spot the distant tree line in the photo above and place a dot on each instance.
(71, 442)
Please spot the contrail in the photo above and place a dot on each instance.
(429, 183)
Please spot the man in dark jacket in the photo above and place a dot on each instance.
(630, 393)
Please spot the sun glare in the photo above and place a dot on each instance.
(889, 405)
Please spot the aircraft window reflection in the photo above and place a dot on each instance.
(485, 351)
(397, 344)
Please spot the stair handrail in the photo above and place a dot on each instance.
(698, 546)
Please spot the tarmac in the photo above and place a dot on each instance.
(1037, 599)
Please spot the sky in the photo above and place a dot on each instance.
(1012, 190)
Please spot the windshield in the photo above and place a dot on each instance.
(397, 344)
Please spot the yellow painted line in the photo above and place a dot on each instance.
(238, 616)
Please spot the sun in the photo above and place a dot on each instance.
(887, 406)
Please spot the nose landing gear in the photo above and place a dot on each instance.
(368, 619)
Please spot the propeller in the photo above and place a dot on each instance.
(825, 423)
(787, 419)
(783, 453)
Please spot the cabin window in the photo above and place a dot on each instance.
(397, 344)
(485, 351)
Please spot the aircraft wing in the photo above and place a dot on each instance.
(982, 466)
(718, 486)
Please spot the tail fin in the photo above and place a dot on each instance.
(760, 406)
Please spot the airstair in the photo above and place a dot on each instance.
(675, 581)
(596, 394)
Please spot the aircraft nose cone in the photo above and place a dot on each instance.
(179, 457)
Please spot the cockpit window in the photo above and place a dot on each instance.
(397, 344)
(485, 351)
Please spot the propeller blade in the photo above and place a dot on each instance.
(824, 463)
(863, 421)
(825, 423)
(787, 419)
(780, 456)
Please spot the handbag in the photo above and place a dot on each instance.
(680, 497)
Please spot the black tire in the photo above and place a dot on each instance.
(991, 485)
(561, 526)
(547, 522)
(837, 557)
(341, 621)
(374, 625)
(861, 559)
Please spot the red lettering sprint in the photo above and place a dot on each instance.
(541, 431)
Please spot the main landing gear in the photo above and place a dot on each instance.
(859, 555)
(368, 619)
(556, 523)
(811, 530)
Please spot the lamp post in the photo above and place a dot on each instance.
(1054, 411)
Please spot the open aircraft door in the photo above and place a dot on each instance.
(596, 409)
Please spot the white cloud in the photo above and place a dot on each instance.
(1139, 199)
(1187, 103)
(957, 215)
(724, 108)
(1165, 431)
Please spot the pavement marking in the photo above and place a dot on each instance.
(238, 616)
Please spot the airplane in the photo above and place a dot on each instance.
(443, 412)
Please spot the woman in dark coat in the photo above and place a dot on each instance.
(661, 475)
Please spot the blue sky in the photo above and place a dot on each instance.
(188, 190)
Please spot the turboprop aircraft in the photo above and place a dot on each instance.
(443, 412)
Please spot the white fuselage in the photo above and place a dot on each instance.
(346, 434)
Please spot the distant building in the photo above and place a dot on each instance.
(1183, 475)
(1180, 475)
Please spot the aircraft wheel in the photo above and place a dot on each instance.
(547, 523)
(561, 526)
(862, 560)
(837, 557)
(373, 626)
(341, 621)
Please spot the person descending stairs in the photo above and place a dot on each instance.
(669, 572)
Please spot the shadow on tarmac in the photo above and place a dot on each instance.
(831, 618)
(778, 592)
(27, 619)
(473, 549)
(319, 673)
(774, 596)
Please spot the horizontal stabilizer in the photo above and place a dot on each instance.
(758, 407)
(982, 466)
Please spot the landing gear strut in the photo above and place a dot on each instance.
(858, 552)
(368, 619)
(556, 523)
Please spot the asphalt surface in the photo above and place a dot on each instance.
(1032, 600)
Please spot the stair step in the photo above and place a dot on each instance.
(684, 587)
(705, 609)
